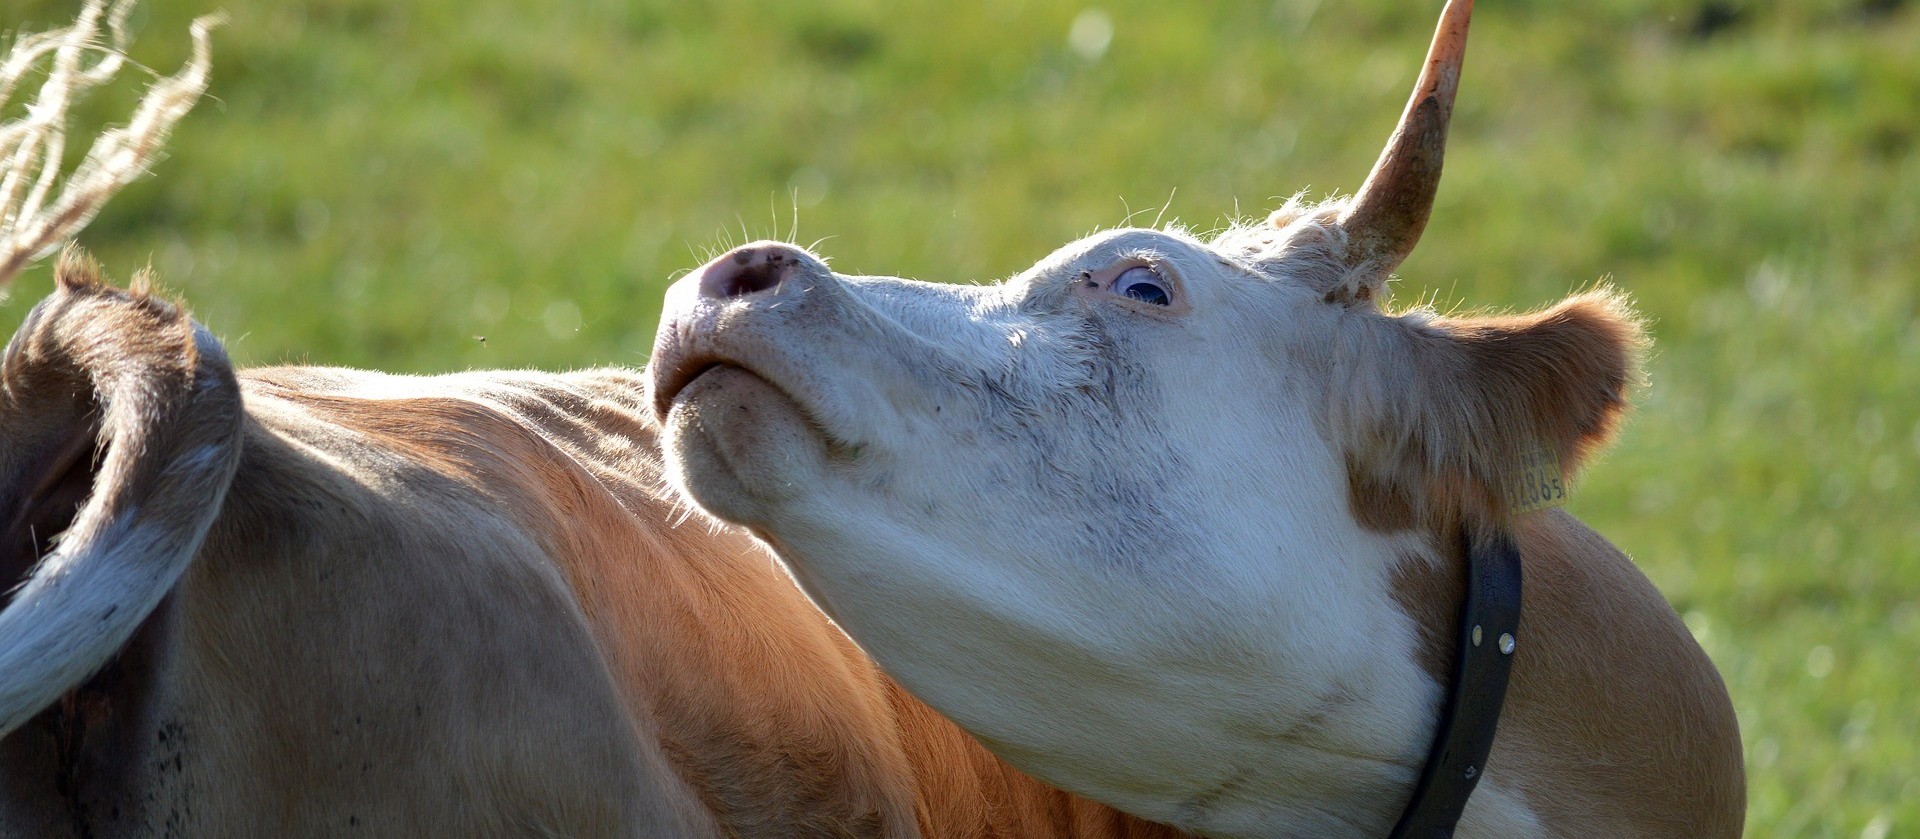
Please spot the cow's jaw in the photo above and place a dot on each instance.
(986, 488)
(724, 424)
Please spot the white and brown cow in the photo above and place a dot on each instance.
(1171, 522)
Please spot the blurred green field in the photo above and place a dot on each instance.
(379, 183)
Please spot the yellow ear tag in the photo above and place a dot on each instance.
(1536, 483)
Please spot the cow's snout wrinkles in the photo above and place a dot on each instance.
(748, 270)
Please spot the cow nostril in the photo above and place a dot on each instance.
(749, 271)
(752, 279)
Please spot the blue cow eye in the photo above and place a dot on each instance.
(1143, 284)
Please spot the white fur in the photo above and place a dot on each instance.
(86, 599)
(1113, 543)
(44, 654)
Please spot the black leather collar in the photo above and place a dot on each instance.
(1489, 635)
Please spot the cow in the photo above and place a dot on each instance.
(1176, 522)
(300, 601)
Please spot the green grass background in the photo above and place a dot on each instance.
(377, 182)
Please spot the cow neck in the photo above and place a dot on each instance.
(1489, 633)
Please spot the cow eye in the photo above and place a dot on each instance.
(1143, 284)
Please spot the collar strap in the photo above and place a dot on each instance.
(1489, 634)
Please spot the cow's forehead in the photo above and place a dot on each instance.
(1106, 247)
(1209, 274)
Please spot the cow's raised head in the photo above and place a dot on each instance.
(1133, 517)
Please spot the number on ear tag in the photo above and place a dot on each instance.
(1536, 483)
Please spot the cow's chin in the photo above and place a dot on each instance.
(741, 447)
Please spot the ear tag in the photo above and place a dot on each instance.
(1536, 483)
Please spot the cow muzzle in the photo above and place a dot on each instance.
(706, 320)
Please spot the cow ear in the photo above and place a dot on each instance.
(1442, 415)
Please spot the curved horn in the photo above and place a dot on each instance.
(1385, 218)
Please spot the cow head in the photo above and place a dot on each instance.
(1133, 516)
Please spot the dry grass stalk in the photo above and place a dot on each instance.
(38, 208)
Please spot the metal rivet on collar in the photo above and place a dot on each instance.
(1506, 641)
(1476, 636)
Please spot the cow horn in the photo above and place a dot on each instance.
(1384, 220)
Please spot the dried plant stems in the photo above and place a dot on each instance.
(38, 208)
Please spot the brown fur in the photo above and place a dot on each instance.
(1616, 723)
(1435, 413)
(461, 607)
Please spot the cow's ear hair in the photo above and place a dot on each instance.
(1441, 415)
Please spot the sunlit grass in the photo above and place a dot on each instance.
(380, 183)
